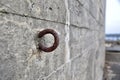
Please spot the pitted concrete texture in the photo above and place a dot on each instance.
(80, 26)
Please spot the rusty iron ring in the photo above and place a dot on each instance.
(56, 40)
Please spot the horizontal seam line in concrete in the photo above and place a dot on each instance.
(23, 15)
(33, 17)
(28, 16)
(49, 20)
(82, 27)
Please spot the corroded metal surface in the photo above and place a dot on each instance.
(56, 40)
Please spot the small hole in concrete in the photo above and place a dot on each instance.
(58, 8)
(50, 8)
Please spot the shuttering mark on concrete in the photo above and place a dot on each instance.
(28, 16)
(67, 49)
(36, 18)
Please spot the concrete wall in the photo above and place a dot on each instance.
(80, 25)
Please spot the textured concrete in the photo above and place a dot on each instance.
(80, 25)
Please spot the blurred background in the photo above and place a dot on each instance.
(112, 63)
(113, 17)
(112, 20)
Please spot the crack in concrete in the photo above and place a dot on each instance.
(28, 16)
(82, 27)
(59, 68)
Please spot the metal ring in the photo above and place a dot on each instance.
(56, 40)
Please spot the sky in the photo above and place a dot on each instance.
(112, 16)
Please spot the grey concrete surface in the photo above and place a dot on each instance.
(80, 26)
